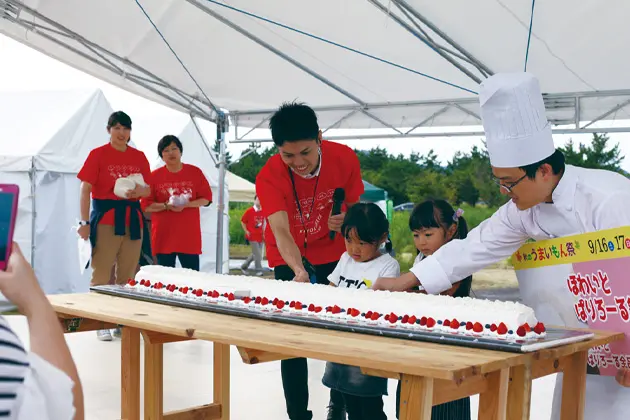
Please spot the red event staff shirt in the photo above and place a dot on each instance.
(254, 222)
(339, 169)
(177, 232)
(104, 165)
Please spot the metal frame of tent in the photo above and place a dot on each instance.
(422, 28)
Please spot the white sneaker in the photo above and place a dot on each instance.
(259, 273)
(243, 271)
(104, 335)
(117, 333)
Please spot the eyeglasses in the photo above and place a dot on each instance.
(510, 186)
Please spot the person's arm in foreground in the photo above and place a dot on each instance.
(279, 223)
(493, 240)
(19, 285)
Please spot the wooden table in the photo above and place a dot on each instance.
(430, 373)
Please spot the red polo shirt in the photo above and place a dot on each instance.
(254, 221)
(339, 169)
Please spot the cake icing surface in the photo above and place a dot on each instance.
(414, 311)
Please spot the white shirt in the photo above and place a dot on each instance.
(30, 387)
(585, 200)
(361, 275)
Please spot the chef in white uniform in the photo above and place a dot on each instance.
(548, 200)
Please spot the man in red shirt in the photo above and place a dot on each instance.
(296, 188)
(253, 222)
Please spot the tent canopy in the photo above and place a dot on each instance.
(241, 190)
(46, 138)
(362, 64)
(373, 193)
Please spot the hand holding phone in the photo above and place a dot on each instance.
(9, 194)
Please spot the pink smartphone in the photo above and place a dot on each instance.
(9, 194)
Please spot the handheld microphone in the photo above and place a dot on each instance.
(338, 198)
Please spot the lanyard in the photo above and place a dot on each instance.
(297, 201)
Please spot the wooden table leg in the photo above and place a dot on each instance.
(416, 398)
(520, 392)
(222, 378)
(493, 402)
(130, 374)
(574, 387)
(153, 381)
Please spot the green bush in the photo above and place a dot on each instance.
(237, 236)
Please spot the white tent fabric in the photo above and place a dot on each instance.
(46, 138)
(241, 190)
(248, 65)
(197, 153)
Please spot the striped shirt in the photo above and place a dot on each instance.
(30, 387)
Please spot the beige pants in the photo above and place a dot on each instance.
(111, 249)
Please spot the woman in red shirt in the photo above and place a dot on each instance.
(178, 191)
(253, 222)
(115, 224)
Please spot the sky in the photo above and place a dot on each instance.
(24, 69)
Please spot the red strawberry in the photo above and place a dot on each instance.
(374, 316)
(430, 322)
(478, 327)
(412, 319)
(446, 323)
(142, 282)
(493, 327)
(185, 290)
(280, 304)
(454, 324)
(404, 319)
(199, 293)
(292, 304)
(258, 300)
(147, 283)
(502, 329)
(521, 331)
(539, 328)
(423, 321)
(298, 306)
(318, 309)
(469, 326)
(231, 297)
(132, 282)
(368, 315)
(356, 312)
(264, 301)
(393, 318)
(527, 327)
(386, 317)
(215, 294)
(247, 300)
(336, 309)
(311, 307)
(275, 301)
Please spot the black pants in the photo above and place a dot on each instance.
(295, 371)
(186, 260)
(363, 408)
(453, 410)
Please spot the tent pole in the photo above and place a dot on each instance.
(32, 175)
(222, 129)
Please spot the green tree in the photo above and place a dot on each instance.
(250, 165)
(597, 155)
(216, 149)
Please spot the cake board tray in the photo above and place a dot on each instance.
(555, 336)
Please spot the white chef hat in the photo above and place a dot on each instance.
(513, 117)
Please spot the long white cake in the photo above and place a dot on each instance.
(415, 311)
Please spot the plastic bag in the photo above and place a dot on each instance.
(85, 253)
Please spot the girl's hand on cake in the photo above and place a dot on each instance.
(623, 377)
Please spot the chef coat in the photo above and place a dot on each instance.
(585, 200)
